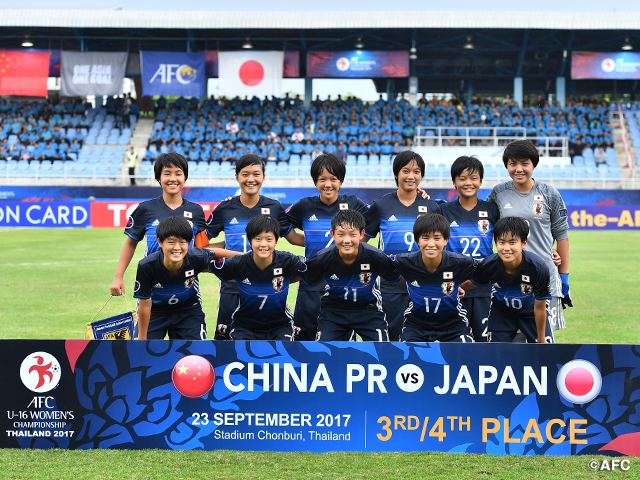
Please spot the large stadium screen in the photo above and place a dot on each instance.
(605, 65)
(358, 64)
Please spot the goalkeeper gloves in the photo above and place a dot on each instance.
(566, 292)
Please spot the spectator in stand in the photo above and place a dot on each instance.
(576, 147)
(232, 126)
(600, 156)
(316, 152)
(283, 155)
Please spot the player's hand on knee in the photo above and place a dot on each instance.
(117, 288)
(566, 291)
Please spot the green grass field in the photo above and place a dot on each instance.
(54, 281)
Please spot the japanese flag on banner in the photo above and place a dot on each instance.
(250, 73)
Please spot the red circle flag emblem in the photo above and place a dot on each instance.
(579, 381)
(193, 376)
(251, 73)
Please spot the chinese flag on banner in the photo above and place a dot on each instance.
(24, 73)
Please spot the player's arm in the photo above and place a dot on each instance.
(540, 313)
(223, 252)
(468, 285)
(144, 314)
(562, 246)
(201, 240)
(126, 254)
(295, 238)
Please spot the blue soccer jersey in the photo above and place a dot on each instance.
(313, 216)
(172, 292)
(262, 293)
(472, 233)
(231, 217)
(435, 304)
(350, 286)
(394, 221)
(146, 217)
(515, 294)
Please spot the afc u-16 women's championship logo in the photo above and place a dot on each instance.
(40, 372)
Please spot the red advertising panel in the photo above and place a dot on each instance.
(115, 214)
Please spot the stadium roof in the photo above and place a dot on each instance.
(158, 19)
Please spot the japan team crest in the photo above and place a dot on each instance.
(483, 225)
(447, 288)
(188, 282)
(538, 208)
(525, 288)
(365, 278)
(278, 283)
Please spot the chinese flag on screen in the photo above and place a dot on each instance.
(24, 73)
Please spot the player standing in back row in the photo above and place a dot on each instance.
(541, 205)
(313, 215)
(471, 221)
(393, 216)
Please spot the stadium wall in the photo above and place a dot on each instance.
(105, 207)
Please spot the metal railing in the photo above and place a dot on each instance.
(496, 137)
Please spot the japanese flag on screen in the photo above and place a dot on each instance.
(250, 73)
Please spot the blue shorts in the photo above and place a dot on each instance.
(305, 315)
(181, 325)
(339, 324)
(477, 309)
(284, 333)
(504, 327)
(394, 305)
(414, 333)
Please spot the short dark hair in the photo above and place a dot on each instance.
(521, 150)
(168, 160)
(262, 224)
(348, 218)
(431, 223)
(249, 160)
(331, 163)
(515, 226)
(472, 164)
(405, 158)
(178, 227)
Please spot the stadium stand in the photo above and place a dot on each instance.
(71, 140)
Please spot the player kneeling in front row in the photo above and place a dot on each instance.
(167, 284)
(520, 285)
(352, 301)
(433, 276)
(263, 276)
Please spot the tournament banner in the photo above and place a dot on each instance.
(44, 214)
(318, 397)
(286, 195)
(358, 64)
(173, 73)
(290, 67)
(605, 65)
(600, 217)
(24, 73)
(92, 73)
